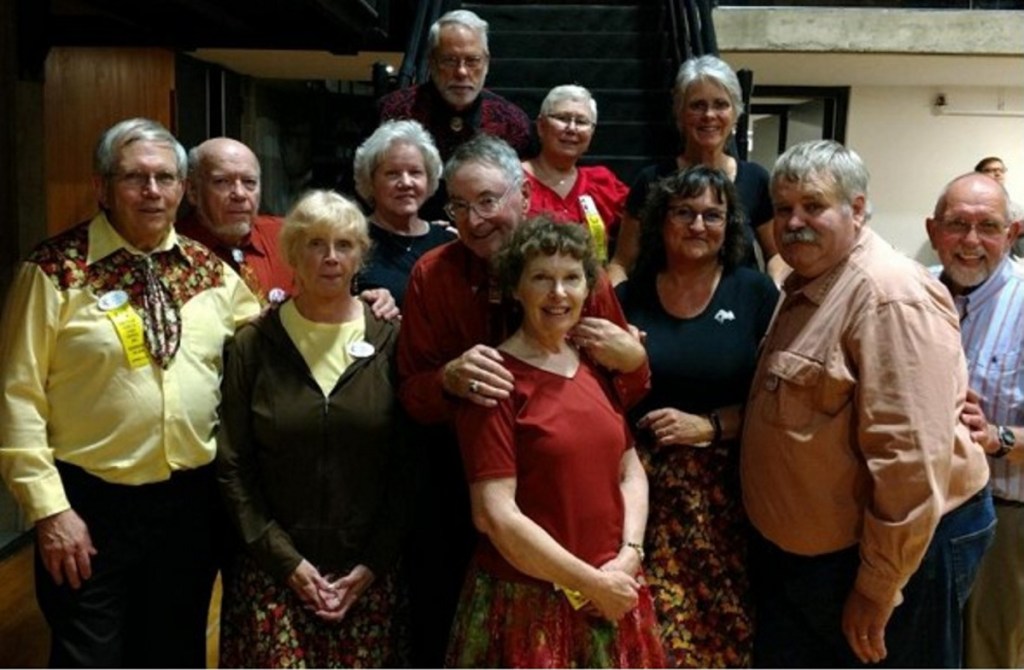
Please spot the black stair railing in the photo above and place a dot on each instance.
(693, 30)
(414, 60)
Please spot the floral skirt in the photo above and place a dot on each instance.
(697, 557)
(504, 624)
(265, 625)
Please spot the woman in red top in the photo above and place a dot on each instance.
(556, 488)
(589, 195)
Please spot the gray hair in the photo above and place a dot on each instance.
(372, 151)
(490, 150)
(829, 161)
(123, 133)
(569, 92)
(461, 17)
(709, 69)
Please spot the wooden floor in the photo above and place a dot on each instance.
(24, 637)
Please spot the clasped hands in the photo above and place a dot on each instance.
(326, 597)
(617, 592)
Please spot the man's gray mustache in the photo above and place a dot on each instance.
(801, 235)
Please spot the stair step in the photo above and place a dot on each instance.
(619, 50)
(595, 18)
(625, 168)
(612, 104)
(642, 45)
(589, 72)
(634, 138)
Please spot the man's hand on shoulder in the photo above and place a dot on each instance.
(612, 346)
(478, 375)
(381, 303)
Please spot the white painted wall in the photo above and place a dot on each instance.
(912, 152)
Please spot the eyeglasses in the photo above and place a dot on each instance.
(226, 183)
(712, 218)
(486, 207)
(140, 180)
(566, 120)
(985, 229)
(471, 63)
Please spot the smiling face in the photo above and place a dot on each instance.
(560, 133)
(226, 190)
(706, 116)
(327, 260)
(690, 238)
(813, 229)
(970, 232)
(477, 183)
(458, 66)
(551, 290)
(143, 194)
(400, 182)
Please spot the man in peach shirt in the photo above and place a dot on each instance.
(867, 492)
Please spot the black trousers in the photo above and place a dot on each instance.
(147, 601)
(438, 547)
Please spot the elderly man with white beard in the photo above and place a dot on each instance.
(971, 230)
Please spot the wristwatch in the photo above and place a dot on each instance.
(637, 547)
(1007, 441)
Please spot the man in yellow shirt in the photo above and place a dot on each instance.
(110, 350)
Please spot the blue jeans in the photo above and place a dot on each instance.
(799, 599)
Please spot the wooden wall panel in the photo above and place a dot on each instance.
(87, 90)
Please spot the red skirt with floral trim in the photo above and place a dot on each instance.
(265, 625)
(505, 624)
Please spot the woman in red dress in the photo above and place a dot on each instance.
(556, 488)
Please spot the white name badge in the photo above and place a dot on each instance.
(111, 300)
(360, 349)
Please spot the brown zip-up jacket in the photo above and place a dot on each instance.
(304, 476)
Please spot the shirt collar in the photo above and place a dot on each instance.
(104, 240)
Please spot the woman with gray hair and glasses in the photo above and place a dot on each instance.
(588, 195)
(707, 103)
(396, 170)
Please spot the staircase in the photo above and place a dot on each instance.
(620, 51)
